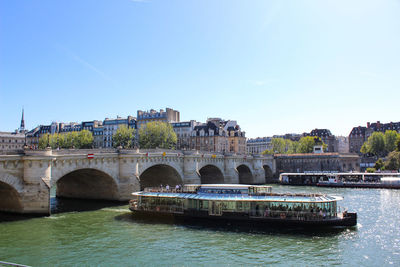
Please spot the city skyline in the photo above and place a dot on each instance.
(273, 67)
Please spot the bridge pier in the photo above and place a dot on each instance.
(128, 176)
(230, 169)
(190, 169)
(35, 196)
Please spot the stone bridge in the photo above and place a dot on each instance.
(26, 179)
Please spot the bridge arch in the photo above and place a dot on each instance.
(87, 183)
(10, 199)
(211, 174)
(268, 173)
(245, 174)
(160, 174)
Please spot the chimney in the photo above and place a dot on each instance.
(368, 124)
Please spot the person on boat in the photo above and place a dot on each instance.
(167, 187)
(266, 213)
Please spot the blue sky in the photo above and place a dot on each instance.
(274, 66)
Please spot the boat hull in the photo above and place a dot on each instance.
(349, 220)
(360, 185)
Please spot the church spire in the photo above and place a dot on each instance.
(22, 126)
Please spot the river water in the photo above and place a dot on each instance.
(109, 236)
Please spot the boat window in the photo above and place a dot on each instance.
(222, 191)
(229, 205)
(255, 190)
(190, 188)
(192, 203)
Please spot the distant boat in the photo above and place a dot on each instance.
(244, 203)
(385, 182)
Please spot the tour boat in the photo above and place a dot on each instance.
(243, 203)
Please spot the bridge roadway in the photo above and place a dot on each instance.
(26, 178)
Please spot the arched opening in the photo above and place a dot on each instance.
(210, 174)
(245, 175)
(268, 173)
(159, 175)
(9, 199)
(87, 184)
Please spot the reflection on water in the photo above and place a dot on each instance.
(61, 205)
(110, 235)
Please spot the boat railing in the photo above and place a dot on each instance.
(160, 208)
(295, 215)
(289, 195)
(164, 190)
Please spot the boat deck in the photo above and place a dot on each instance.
(244, 197)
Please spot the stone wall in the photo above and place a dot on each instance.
(333, 162)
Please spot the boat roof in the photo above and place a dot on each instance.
(390, 178)
(242, 197)
(225, 186)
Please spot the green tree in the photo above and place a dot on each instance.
(124, 137)
(278, 145)
(371, 170)
(82, 139)
(44, 140)
(398, 143)
(365, 148)
(390, 139)
(379, 164)
(393, 161)
(286, 146)
(157, 134)
(375, 144)
(267, 152)
(294, 147)
(85, 138)
(307, 143)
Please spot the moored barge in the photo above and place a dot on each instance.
(244, 203)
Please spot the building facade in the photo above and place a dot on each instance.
(110, 127)
(183, 131)
(217, 135)
(10, 141)
(98, 137)
(236, 138)
(360, 134)
(169, 115)
(258, 145)
(343, 144)
(327, 137)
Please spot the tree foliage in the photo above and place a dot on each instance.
(157, 135)
(285, 146)
(393, 161)
(380, 144)
(82, 139)
(374, 145)
(398, 143)
(390, 139)
(379, 164)
(124, 137)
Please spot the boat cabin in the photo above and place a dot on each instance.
(238, 200)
